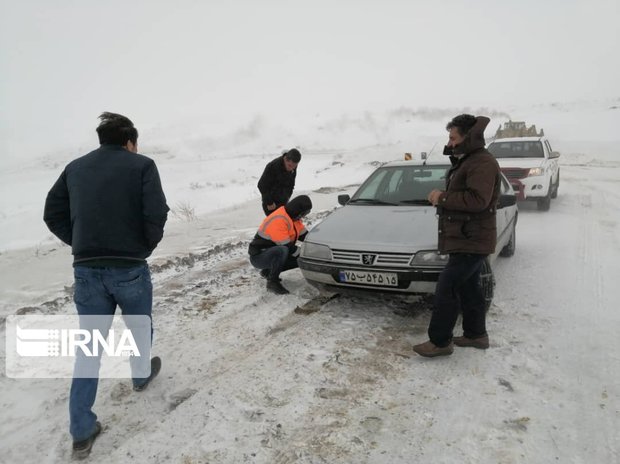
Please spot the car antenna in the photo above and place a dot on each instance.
(429, 155)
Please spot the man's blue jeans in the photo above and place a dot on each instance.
(97, 292)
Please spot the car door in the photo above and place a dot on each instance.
(503, 215)
(553, 162)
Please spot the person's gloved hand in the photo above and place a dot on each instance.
(296, 252)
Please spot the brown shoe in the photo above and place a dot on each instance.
(430, 350)
(481, 343)
(82, 448)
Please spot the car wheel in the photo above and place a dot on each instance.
(545, 203)
(556, 187)
(487, 283)
(510, 247)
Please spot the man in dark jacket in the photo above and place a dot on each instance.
(467, 233)
(110, 208)
(278, 180)
(273, 249)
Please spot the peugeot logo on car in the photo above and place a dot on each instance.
(369, 259)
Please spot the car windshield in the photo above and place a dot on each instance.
(401, 185)
(516, 149)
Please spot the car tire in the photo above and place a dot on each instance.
(511, 246)
(545, 203)
(556, 187)
(487, 283)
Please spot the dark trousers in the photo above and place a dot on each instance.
(458, 289)
(277, 259)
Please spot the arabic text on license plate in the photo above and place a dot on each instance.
(387, 279)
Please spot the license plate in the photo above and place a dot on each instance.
(384, 279)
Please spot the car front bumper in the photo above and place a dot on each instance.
(327, 275)
(531, 188)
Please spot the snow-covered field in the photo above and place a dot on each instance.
(246, 379)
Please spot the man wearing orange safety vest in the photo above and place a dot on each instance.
(273, 248)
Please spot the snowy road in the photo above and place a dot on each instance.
(245, 379)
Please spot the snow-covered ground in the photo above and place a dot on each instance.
(247, 379)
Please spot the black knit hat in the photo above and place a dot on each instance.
(298, 206)
(293, 155)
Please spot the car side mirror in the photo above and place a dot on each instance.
(554, 154)
(343, 199)
(506, 200)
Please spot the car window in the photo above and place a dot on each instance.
(395, 178)
(402, 183)
(370, 188)
(516, 149)
(505, 188)
(549, 146)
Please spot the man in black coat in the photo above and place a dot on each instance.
(110, 208)
(278, 180)
(467, 233)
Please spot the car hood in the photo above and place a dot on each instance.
(523, 163)
(378, 228)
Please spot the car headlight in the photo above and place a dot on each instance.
(428, 258)
(316, 251)
(535, 172)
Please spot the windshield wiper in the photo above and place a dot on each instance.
(372, 201)
(415, 202)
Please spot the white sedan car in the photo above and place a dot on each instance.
(384, 238)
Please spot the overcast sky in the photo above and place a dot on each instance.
(63, 62)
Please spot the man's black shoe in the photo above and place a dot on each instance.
(276, 287)
(264, 273)
(155, 368)
(81, 449)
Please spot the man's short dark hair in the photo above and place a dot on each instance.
(293, 155)
(462, 122)
(116, 129)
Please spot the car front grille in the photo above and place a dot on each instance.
(515, 173)
(370, 258)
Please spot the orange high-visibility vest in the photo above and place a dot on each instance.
(280, 228)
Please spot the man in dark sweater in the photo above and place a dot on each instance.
(278, 180)
(110, 208)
